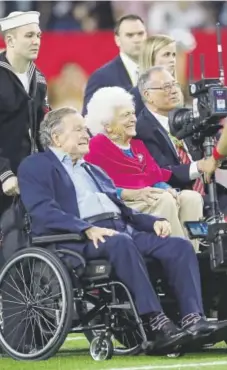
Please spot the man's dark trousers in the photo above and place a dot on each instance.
(125, 252)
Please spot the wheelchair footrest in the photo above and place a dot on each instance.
(123, 306)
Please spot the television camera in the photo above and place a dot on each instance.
(202, 123)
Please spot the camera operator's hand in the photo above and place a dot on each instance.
(201, 165)
(209, 166)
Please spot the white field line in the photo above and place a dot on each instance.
(75, 338)
(197, 365)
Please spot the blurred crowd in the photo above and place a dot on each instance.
(87, 16)
(174, 18)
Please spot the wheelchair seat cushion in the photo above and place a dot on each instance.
(97, 270)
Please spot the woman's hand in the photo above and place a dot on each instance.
(147, 194)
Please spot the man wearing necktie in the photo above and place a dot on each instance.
(161, 94)
(129, 35)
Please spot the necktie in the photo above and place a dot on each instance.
(136, 76)
(184, 159)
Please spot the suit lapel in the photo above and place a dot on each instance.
(123, 74)
(61, 170)
(162, 132)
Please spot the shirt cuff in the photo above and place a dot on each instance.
(119, 191)
(193, 171)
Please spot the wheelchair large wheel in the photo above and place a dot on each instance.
(37, 305)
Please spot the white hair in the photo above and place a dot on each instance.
(101, 107)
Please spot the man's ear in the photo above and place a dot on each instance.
(117, 40)
(147, 96)
(55, 140)
(9, 40)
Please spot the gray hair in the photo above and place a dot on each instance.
(52, 124)
(101, 107)
(145, 77)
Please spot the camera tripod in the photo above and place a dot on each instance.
(217, 227)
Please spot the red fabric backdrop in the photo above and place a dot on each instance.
(92, 50)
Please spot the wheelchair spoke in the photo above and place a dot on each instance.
(44, 308)
(5, 300)
(42, 333)
(50, 297)
(26, 290)
(31, 273)
(14, 314)
(15, 328)
(47, 322)
(17, 289)
(32, 321)
(24, 334)
(12, 320)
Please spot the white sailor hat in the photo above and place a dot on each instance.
(18, 19)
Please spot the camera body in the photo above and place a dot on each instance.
(210, 99)
(209, 106)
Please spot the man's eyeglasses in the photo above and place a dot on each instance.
(166, 87)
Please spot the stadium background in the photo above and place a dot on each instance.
(78, 38)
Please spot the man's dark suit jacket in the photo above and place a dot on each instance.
(139, 104)
(157, 141)
(49, 197)
(113, 73)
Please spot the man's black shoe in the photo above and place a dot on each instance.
(169, 337)
(212, 331)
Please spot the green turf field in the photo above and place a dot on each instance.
(74, 355)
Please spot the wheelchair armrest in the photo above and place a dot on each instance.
(46, 239)
(68, 252)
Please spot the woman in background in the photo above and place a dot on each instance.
(157, 50)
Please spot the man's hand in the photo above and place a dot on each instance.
(200, 165)
(162, 228)
(210, 165)
(10, 186)
(97, 234)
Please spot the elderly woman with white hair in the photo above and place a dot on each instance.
(140, 182)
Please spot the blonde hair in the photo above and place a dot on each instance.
(150, 49)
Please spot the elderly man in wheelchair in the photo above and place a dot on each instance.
(76, 215)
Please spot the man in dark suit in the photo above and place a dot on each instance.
(122, 71)
(161, 94)
(62, 193)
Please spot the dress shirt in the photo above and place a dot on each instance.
(131, 67)
(90, 201)
(163, 120)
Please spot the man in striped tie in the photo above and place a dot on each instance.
(161, 93)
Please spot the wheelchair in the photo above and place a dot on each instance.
(44, 297)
